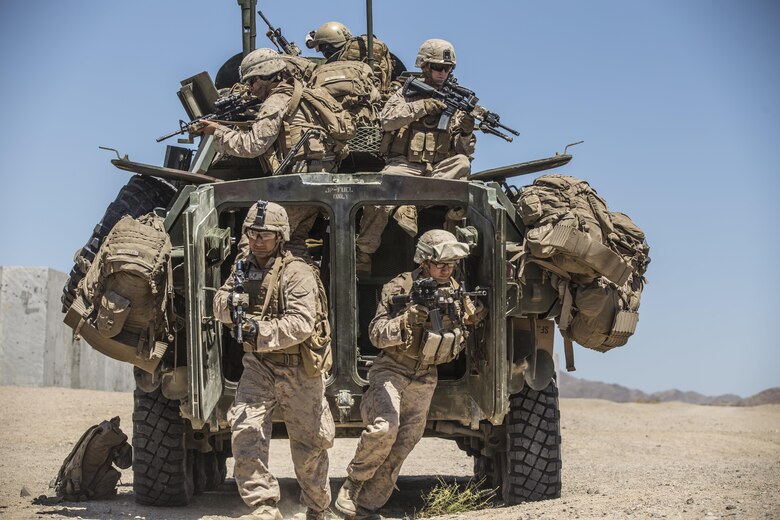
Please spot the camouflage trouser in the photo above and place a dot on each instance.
(375, 218)
(302, 219)
(301, 400)
(395, 409)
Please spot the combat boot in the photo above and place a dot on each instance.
(453, 217)
(311, 514)
(264, 512)
(362, 264)
(406, 216)
(345, 501)
(365, 514)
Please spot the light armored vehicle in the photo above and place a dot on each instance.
(498, 401)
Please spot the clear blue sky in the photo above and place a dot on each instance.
(678, 104)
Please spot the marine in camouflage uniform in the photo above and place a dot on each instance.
(403, 377)
(274, 374)
(413, 145)
(279, 125)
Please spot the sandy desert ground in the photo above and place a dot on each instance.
(619, 461)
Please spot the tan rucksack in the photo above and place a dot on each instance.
(351, 83)
(126, 296)
(88, 472)
(356, 49)
(298, 67)
(597, 260)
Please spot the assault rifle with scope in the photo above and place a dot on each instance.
(229, 109)
(426, 292)
(275, 35)
(457, 97)
(238, 312)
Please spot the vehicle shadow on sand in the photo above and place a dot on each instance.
(225, 503)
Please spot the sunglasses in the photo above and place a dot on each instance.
(255, 234)
(440, 67)
(443, 265)
(248, 82)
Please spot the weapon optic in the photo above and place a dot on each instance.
(229, 109)
(458, 97)
(426, 292)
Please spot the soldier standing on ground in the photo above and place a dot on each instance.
(414, 145)
(280, 124)
(403, 377)
(274, 373)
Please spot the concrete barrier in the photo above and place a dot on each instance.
(37, 348)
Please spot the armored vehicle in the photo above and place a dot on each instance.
(498, 401)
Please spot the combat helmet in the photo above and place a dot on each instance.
(439, 246)
(435, 51)
(329, 34)
(260, 62)
(268, 216)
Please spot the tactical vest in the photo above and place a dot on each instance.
(266, 284)
(419, 142)
(425, 346)
(311, 108)
(351, 83)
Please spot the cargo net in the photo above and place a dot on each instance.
(366, 140)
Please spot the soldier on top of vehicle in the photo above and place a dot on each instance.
(281, 122)
(335, 41)
(413, 145)
(276, 336)
(413, 339)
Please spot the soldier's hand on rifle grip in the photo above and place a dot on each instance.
(433, 107)
(239, 300)
(250, 335)
(417, 314)
(467, 124)
(203, 127)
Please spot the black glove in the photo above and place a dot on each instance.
(250, 335)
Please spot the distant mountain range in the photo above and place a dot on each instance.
(570, 386)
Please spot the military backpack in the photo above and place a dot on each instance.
(88, 472)
(351, 83)
(597, 260)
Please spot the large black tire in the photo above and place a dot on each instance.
(162, 467)
(532, 469)
(138, 197)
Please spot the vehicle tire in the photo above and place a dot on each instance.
(533, 460)
(162, 467)
(138, 197)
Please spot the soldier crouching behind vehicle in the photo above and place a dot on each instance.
(280, 306)
(413, 340)
(414, 145)
(280, 124)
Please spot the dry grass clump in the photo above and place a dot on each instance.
(447, 499)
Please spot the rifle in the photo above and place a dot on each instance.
(229, 108)
(238, 313)
(426, 292)
(280, 42)
(457, 97)
(289, 157)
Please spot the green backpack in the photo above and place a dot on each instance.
(88, 472)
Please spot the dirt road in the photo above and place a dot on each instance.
(619, 461)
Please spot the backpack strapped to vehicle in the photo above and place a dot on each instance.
(123, 307)
(596, 259)
(88, 473)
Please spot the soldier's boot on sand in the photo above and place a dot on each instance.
(362, 264)
(264, 512)
(406, 216)
(345, 501)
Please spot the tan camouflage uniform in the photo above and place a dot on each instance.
(275, 377)
(263, 138)
(395, 406)
(453, 159)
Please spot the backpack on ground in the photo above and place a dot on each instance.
(123, 307)
(88, 472)
(595, 258)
